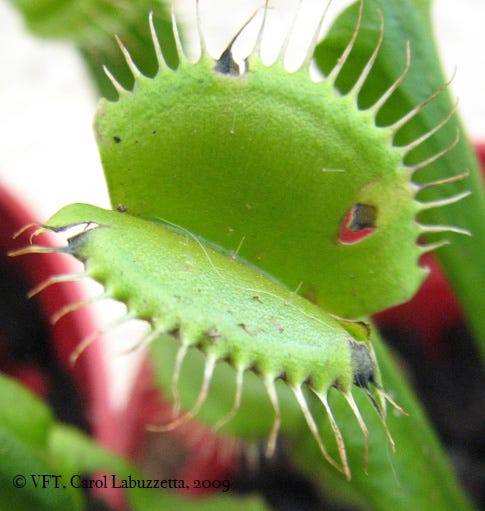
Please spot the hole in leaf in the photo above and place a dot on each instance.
(359, 222)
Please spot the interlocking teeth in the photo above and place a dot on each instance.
(444, 181)
(178, 41)
(337, 434)
(268, 381)
(237, 399)
(91, 338)
(286, 42)
(37, 249)
(40, 229)
(179, 359)
(314, 430)
(363, 427)
(162, 64)
(72, 307)
(315, 39)
(117, 85)
(431, 247)
(210, 364)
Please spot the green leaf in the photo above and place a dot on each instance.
(77, 453)
(20, 460)
(25, 427)
(16, 403)
(410, 21)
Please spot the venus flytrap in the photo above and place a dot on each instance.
(222, 113)
(260, 216)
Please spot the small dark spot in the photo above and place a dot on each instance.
(117, 140)
(226, 65)
(175, 333)
(363, 366)
(121, 208)
(154, 132)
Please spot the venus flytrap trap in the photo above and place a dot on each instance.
(227, 310)
(252, 160)
(261, 215)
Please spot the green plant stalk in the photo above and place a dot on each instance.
(417, 476)
(462, 260)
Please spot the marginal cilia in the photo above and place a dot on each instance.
(169, 260)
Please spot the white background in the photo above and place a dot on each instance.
(47, 150)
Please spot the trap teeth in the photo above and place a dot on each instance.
(36, 249)
(445, 202)
(55, 279)
(117, 85)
